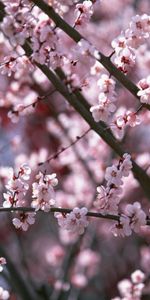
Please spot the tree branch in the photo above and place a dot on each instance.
(64, 211)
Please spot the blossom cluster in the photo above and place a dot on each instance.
(127, 42)
(75, 221)
(43, 192)
(108, 197)
(131, 220)
(15, 62)
(46, 49)
(17, 187)
(107, 97)
(106, 106)
(16, 27)
(131, 288)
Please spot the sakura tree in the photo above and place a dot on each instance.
(75, 149)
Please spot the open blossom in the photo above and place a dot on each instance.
(119, 43)
(140, 25)
(137, 216)
(83, 12)
(99, 112)
(106, 84)
(113, 176)
(125, 60)
(24, 220)
(144, 92)
(2, 262)
(4, 294)
(17, 187)
(122, 227)
(76, 221)
(137, 277)
(43, 191)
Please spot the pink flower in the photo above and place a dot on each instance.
(24, 220)
(106, 84)
(83, 12)
(132, 119)
(139, 25)
(119, 43)
(122, 228)
(17, 187)
(137, 277)
(125, 288)
(43, 191)
(76, 221)
(99, 113)
(144, 92)
(113, 176)
(137, 216)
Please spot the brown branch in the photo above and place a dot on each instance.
(64, 211)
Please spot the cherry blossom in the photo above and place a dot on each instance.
(24, 220)
(16, 186)
(107, 97)
(76, 221)
(137, 277)
(43, 191)
(108, 197)
(113, 176)
(122, 228)
(131, 289)
(83, 12)
(136, 214)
